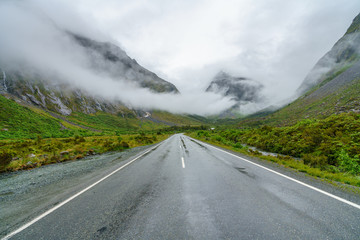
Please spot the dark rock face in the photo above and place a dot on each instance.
(113, 61)
(238, 88)
(28, 86)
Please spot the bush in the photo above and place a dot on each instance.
(79, 139)
(124, 145)
(315, 161)
(6, 157)
(349, 164)
(238, 145)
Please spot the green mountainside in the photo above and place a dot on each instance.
(36, 104)
(21, 121)
(336, 90)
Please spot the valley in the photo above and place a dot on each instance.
(94, 144)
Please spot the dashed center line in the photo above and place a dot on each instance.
(183, 162)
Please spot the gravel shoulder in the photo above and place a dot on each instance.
(26, 194)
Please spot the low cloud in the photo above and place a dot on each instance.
(32, 42)
(275, 42)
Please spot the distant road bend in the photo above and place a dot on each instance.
(185, 189)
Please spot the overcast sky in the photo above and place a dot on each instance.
(275, 42)
(186, 42)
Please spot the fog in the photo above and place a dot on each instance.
(34, 43)
(185, 42)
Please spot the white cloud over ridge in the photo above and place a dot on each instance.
(275, 42)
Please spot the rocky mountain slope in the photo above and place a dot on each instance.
(60, 97)
(344, 54)
(65, 108)
(113, 61)
(241, 90)
(332, 86)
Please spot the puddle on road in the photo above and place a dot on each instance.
(183, 143)
(162, 157)
(202, 146)
(243, 171)
(3, 194)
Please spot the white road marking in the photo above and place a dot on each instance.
(289, 178)
(183, 162)
(71, 198)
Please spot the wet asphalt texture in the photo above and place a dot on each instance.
(212, 196)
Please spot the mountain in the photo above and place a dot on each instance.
(331, 87)
(33, 103)
(241, 90)
(57, 96)
(344, 54)
(113, 61)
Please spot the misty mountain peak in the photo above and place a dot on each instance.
(223, 76)
(238, 88)
(342, 56)
(111, 60)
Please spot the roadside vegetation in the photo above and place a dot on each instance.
(31, 137)
(327, 148)
(20, 154)
(31, 153)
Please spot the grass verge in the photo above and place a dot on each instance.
(339, 179)
(27, 153)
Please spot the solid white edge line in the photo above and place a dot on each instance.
(74, 196)
(289, 178)
(183, 162)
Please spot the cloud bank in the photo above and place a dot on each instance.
(34, 41)
(275, 42)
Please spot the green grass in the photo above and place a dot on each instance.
(344, 100)
(178, 119)
(110, 122)
(17, 121)
(28, 122)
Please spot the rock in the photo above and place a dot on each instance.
(4, 129)
(91, 152)
(29, 163)
(64, 153)
(15, 158)
(31, 155)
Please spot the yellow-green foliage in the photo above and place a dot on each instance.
(24, 154)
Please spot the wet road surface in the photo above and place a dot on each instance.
(186, 189)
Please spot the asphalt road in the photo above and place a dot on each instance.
(185, 189)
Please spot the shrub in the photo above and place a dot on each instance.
(124, 145)
(238, 145)
(315, 161)
(349, 164)
(6, 157)
(79, 139)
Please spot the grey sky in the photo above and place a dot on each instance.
(275, 42)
